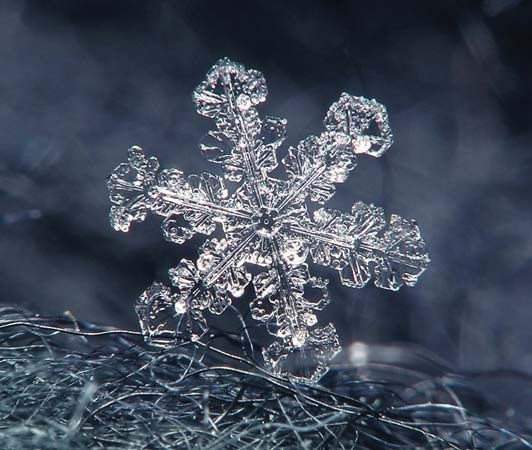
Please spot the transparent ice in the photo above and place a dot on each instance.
(266, 222)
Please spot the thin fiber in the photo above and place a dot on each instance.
(65, 384)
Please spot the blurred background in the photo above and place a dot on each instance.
(81, 81)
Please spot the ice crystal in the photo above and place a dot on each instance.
(266, 222)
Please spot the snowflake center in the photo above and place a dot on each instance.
(267, 223)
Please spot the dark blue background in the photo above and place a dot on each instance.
(81, 81)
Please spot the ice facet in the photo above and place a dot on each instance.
(364, 122)
(266, 222)
(166, 317)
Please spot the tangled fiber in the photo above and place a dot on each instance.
(72, 385)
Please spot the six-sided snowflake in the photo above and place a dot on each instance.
(266, 222)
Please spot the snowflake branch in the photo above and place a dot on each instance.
(361, 245)
(349, 243)
(284, 287)
(297, 189)
(204, 207)
(228, 260)
(316, 165)
(252, 173)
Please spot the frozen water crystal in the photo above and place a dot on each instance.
(266, 222)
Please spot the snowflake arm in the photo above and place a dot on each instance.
(244, 144)
(137, 187)
(208, 284)
(362, 246)
(354, 126)
(286, 299)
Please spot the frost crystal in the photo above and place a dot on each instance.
(266, 222)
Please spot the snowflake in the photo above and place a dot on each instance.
(266, 222)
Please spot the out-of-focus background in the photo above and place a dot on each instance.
(81, 81)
